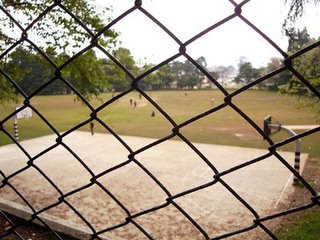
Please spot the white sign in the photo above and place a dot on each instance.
(24, 113)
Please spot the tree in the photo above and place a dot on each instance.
(57, 28)
(60, 34)
(307, 64)
(296, 10)
(28, 69)
(166, 76)
(278, 80)
(87, 75)
(297, 39)
(117, 77)
(247, 73)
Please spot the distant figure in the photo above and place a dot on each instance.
(130, 102)
(186, 94)
(212, 100)
(134, 104)
(152, 114)
(91, 128)
(140, 96)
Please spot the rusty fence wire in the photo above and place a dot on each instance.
(170, 200)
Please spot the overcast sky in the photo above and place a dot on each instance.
(222, 46)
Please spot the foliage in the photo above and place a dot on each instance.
(57, 27)
(296, 10)
(307, 64)
(117, 77)
(277, 81)
(32, 72)
(86, 74)
(7, 92)
(166, 76)
(247, 73)
(60, 36)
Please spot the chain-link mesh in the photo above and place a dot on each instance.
(168, 200)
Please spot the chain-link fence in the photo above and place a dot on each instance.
(168, 200)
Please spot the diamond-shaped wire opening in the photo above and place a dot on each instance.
(133, 36)
(128, 115)
(12, 36)
(30, 127)
(175, 164)
(99, 151)
(91, 18)
(86, 74)
(33, 67)
(62, 115)
(134, 188)
(59, 31)
(97, 207)
(210, 129)
(167, 223)
(227, 47)
(12, 158)
(58, 163)
(264, 196)
(184, 26)
(256, 105)
(216, 210)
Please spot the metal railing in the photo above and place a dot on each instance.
(171, 200)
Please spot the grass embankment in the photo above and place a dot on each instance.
(222, 127)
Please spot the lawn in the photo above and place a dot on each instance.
(225, 126)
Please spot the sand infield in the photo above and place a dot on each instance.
(178, 168)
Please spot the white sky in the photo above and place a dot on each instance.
(222, 46)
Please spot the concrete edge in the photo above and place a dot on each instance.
(58, 225)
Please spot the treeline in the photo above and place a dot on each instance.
(92, 75)
(307, 64)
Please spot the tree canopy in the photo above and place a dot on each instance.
(58, 29)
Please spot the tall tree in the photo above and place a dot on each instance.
(247, 73)
(28, 69)
(278, 80)
(166, 76)
(57, 32)
(117, 77)
(297, 39)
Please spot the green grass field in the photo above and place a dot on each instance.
(223, 127)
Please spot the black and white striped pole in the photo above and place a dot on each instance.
(15, 128)
(267, 129)
(25, 112)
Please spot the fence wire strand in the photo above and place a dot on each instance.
(172, 199)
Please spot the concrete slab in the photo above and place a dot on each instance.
(176, 166)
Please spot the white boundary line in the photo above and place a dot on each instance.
(283, 191)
